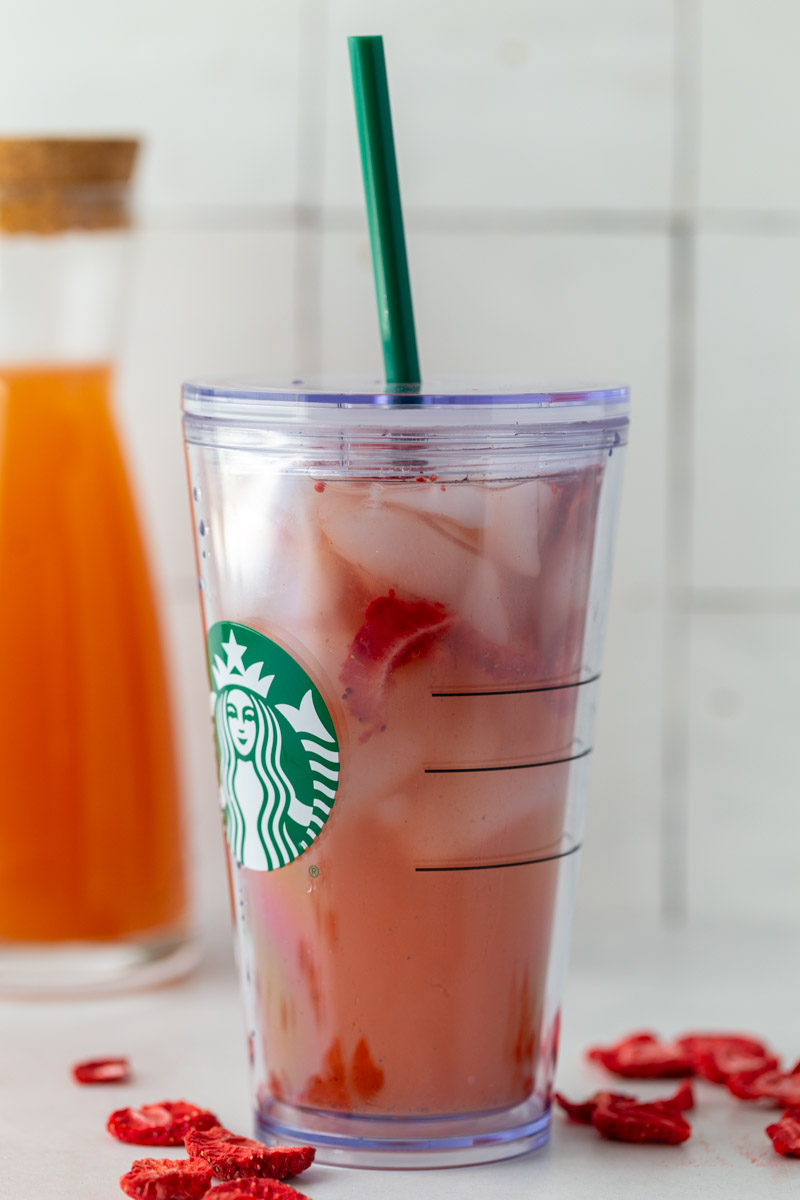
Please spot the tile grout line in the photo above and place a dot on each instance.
(307, 214)
(239, 218)
(674, 823)
(676, 665)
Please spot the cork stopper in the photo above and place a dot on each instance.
(49, 185)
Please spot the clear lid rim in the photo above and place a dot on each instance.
(445, 394)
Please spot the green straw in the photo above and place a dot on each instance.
(384, 212)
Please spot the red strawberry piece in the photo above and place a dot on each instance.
(329, 1090)
(782, 1088)
(716, 1056)
(583, 1112)
(681, 1101)
(164, 1124)
(102, 1070)
(785, 1134)
(367, 1075)
(718, 1066)
(643, 1056)
(167, 1179)
(234, 1157)
(395, 632)
(627, 1121)
(264, 1189)
(701, 1043)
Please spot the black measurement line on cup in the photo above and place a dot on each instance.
(526, 862)
(550, 762)
(549, 687)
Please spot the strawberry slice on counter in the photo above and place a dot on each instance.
(167, 1179)
(164, 1124)
(102, 1070)
(262, 1189)
(232, 1156)
(643, 1056)
(717, 1056)
(780, 1087)
(628, 1121)
(785, 1134)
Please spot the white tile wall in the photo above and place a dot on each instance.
(516, 105)
(743, 809)
(542, 146)
(202, 82)
(747, 423)
(749, 120)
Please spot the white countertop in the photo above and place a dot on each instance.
(186, 1041)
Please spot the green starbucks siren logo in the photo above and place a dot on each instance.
(277, 747)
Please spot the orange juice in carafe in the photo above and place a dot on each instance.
(92, 882)
(89, 831)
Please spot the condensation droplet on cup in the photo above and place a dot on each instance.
(201, 585)
(197, 493)
(203, 528)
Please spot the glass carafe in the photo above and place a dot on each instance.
(92, 878)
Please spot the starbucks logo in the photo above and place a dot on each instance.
(276, 745)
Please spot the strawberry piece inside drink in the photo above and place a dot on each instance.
(643, 1056)
(167, 1179)
(394, 633)
(235, 1157)
(102, 1070)
(164, 1124)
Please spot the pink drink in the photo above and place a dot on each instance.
(417, 643)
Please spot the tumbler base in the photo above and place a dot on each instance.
(407, 1143)
(67, 969)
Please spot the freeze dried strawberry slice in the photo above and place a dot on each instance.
(704, 1043)
(643, 1056)
(724, 1063)
(164, 1124)
(781, 1087)
(234, 1157)
(627, 1121)
(584, 1112)
(167, 1179)
(716, 1056)
(102, 1070)
(395, 632)
(263, 1189)
(785, 1134)
(682, 1101)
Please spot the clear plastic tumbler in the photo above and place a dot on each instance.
(404, 597)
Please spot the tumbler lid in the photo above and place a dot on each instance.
(236, 397)
(463, 426)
